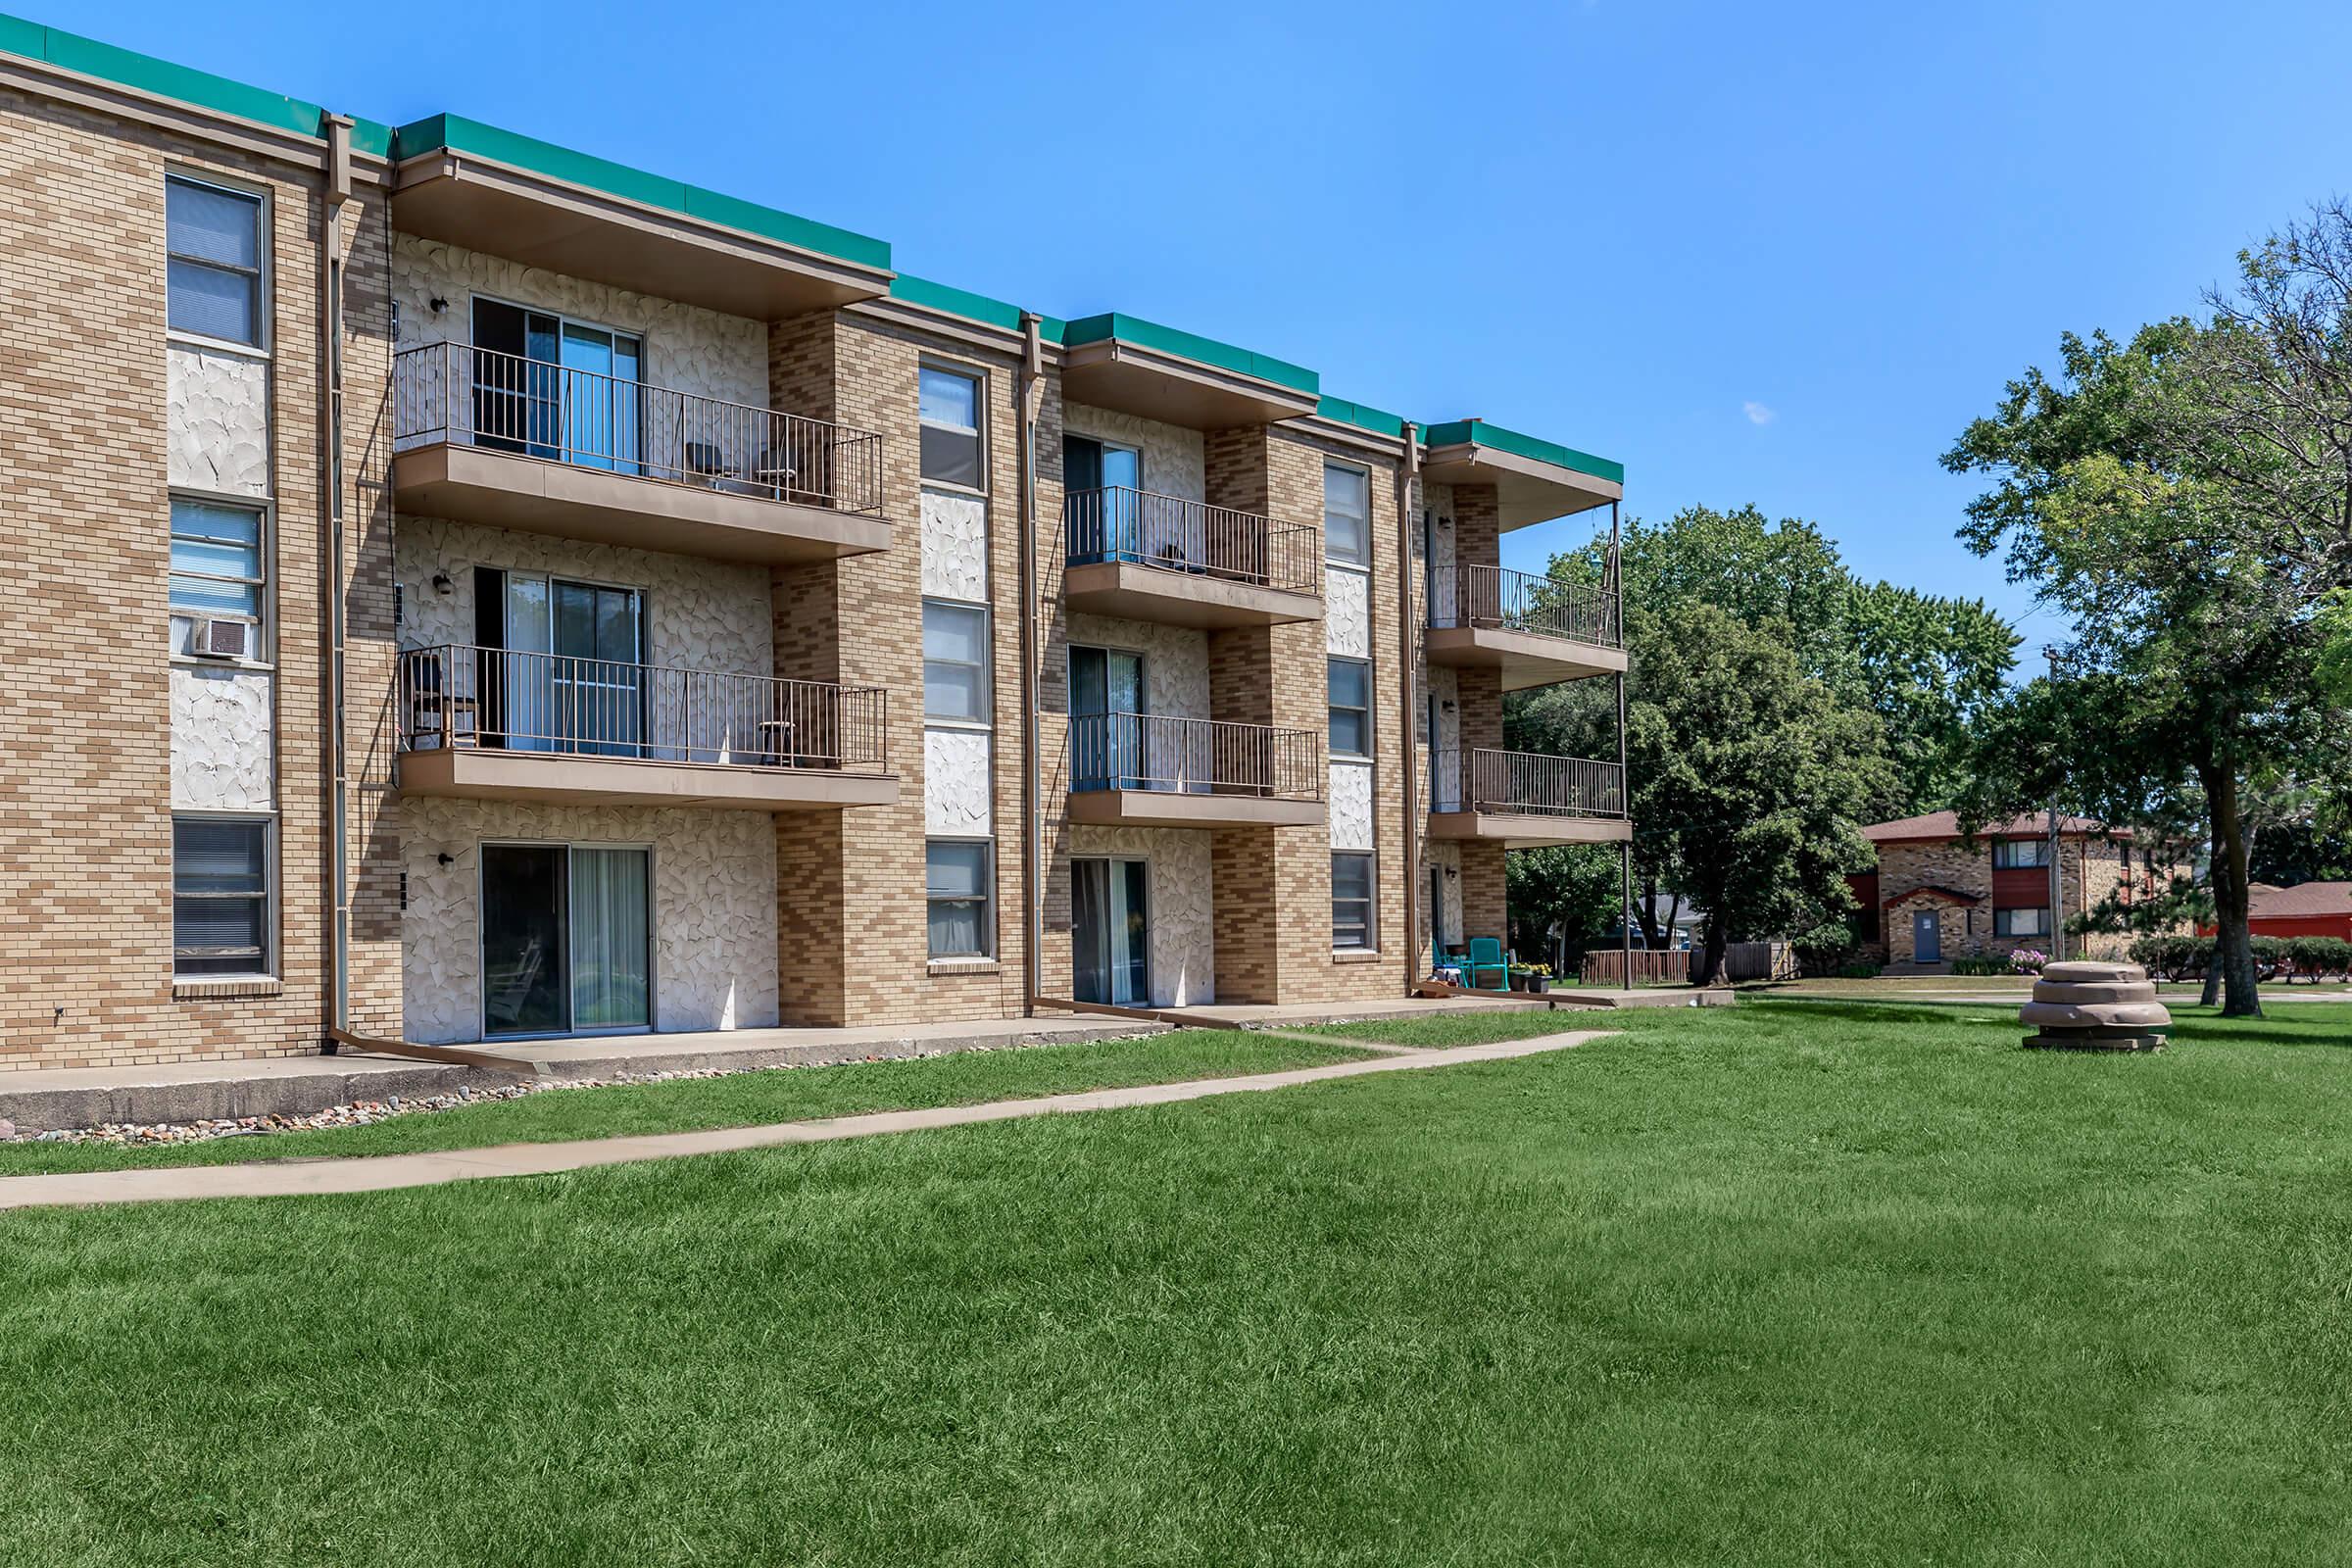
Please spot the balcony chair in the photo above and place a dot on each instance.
(1487, 954)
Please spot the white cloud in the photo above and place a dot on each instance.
(1757, 412)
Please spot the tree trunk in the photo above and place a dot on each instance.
(2234, 945)
(1649, 916)
(1711, 956)
(2211, 994)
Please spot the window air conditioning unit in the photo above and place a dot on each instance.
(223, 639)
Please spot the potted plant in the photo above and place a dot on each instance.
(1539, 978)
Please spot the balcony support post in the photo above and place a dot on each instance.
(1625, 785)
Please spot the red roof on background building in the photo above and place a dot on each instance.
(1947, 825)
(2300, 902)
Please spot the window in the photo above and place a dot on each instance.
(219, 896)
(1351, 901)
(217, 561)
(2011, 855)
(2020, 922)
(1347, 511)
(956, 886)
(955, 662)
(1351, 683)
(950, 412)
(214, 273)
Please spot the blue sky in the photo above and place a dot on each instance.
(1777, 254)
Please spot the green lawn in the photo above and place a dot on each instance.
(743, 1099)
(1786, 1283)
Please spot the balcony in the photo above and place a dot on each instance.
(498, 725)
(1152, 770)
(1523, 801)
(519, 443)
(1535, 631)
(1145, 557)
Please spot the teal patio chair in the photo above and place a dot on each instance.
(1486, 953)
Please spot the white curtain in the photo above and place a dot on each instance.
(611, 982)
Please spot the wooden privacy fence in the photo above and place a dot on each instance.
(1651, 968)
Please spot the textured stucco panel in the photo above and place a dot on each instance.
(1182, 942)
(1347, 611)
(217, 421)
(1446, 857)
(1173, 461)
(954, 546)
(221, 739)
(1175, 660)
(1437, 500)
(955, 794)
(1351, 806)
(714, 908)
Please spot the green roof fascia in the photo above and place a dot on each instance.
(945, 297)
(1377, 421)
(1191, 346)
(125, 68)
(457, 134)
(1477, 432)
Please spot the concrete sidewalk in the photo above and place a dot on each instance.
(384, 1173)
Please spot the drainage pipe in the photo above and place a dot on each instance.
(1033, 833)
(338, 193)
(1406, 473)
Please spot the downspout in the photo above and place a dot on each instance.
(338, 128)
(1405, 475)
(1032, 827)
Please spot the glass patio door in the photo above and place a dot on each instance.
(565, 391)
(1110, 932)
(1101, 482)
(565, 939)
(1106, 732)
(597, 675)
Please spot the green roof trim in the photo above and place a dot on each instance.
(125, 68)
(971, 306)
(457, 134)
(1191, 346)
(1377, 421)
(1477, 432)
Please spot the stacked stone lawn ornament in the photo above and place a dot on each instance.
(2096, 1007)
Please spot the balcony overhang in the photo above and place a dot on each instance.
(1154, 373)
(1527, 830)
(492, 773)
(1525, 657)
(534, 495)
(505, 210)
(1174, 808)
(1131, 591)
(1528, 489)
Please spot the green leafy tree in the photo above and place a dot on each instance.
(1751, 775)
(1928, 665)
(1563, 899)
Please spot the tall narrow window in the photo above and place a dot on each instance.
(213, 281)
(219, 896)
(1350, 707)
(957, 891)
(216, 571)
(954, 660)
(949, 414)
(1346, 514)
(1351, 901)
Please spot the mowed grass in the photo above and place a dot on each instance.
(1786, 1283)
(742, 1100)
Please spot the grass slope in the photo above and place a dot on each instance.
(1786, 1283)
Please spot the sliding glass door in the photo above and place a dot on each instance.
(568, 391)
(1110, 932)
(1106, 736)
(567, 943)
(570, 677)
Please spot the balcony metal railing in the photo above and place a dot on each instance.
(455, 392)
(1491, 598)
(1521, 783)
(1174, 534)
(521, 702)
(1193, 757)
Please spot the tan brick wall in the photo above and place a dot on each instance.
(85, 845)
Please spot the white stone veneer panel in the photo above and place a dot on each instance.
(1447, 855)
(956, 783)
(216, 420)
(1175, 662)
(954, 546)
(714, 908)
(223, 738)
(1183, 943)
(1437, 499)
(1173, 460)
(1348, 612)
(1351, 806)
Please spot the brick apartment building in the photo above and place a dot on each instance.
(1936, 896)
(468, 588)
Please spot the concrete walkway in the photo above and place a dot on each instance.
(382, 1174)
